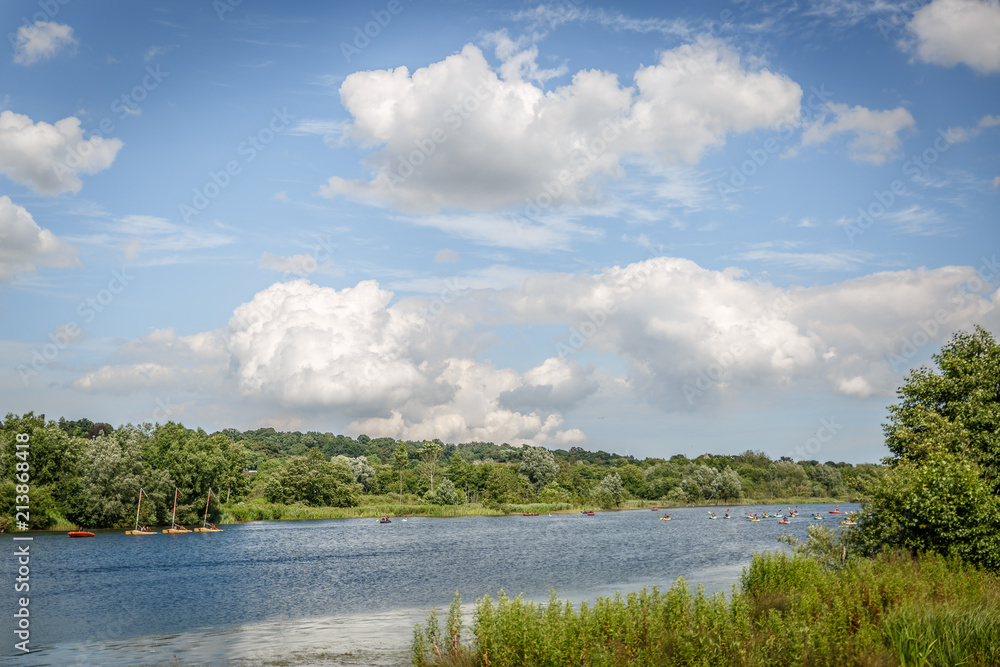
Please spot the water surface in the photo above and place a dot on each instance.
(348, 588)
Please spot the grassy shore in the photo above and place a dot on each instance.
(256, 509)
(787, 610)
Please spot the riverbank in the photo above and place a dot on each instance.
(378, 506)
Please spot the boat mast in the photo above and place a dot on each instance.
(137, 509)
(173, 517)
(204, 521)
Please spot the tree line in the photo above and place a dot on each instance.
(89, 473)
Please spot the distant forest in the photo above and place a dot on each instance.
(89, 473)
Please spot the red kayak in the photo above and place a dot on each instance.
(80, 533)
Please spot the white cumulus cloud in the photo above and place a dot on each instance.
(949, 32)
(49, 158)
(24, 245)
(458, 134)
(41, 41)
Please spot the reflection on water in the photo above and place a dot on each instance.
(348, 591)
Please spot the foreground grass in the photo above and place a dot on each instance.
(892, 610)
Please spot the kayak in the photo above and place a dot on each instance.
(664, 518)
(80, 533)
(141, 532)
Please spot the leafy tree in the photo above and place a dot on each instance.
(430, 454)
(610, 492)
(502, 486)
(313, 480)
(444, 494)
(943, 504)
(941, 491)
(110, 479)
(539, 467)
(955, 409)
(400, 460)
(363, 473)
(730, 488)
(459, 472)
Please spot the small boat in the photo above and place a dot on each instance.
(384, 519)
(848, 523)
(529, 514)
(817, 518)
(835, 511)
(590, 514)
(655, 509)
(80, 533)
(665, 518)
(136, 530)
(174, 526)
(784, 521)
(204, 524)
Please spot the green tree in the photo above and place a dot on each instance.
(941, 491)
(956, 408)
(539, 467)
(400, 460)
(430, 454)
(610, 492)
(444, 494)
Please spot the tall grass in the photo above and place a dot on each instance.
(787, 610)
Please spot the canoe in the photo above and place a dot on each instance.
(208, 530)
(80, 533)
(140, 532)
(664, 518)
(170, 531)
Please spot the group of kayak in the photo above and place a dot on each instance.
(850, 518)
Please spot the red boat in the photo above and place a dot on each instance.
(80, 533)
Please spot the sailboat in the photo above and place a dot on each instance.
(136, 531)
(173, 519)
(204, 524)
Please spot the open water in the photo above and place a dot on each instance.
(346, 591)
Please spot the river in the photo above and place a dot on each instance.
(346, 591)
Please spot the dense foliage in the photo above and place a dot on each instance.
(89, 474)
(941, 491)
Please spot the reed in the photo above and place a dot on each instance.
(787, 610)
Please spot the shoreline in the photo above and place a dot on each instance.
(270, 512)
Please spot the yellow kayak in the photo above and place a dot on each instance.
(140, 532)
(208, 530)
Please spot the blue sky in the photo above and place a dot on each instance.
(712, 226)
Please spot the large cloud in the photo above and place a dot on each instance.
(949, 32)
(24, 245)
(296, 346)
(454, 134)
(50, 158)
(41, 41)
(688, 337)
